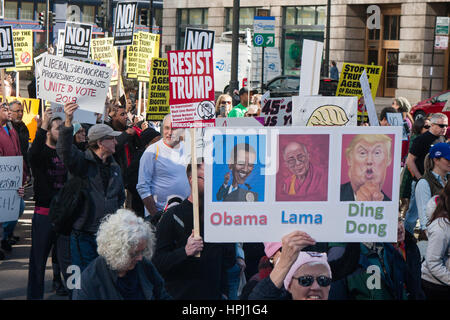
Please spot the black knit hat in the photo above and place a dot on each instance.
(148, 135)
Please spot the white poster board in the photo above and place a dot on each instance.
(310, 69)
(11, 170)
(81, 116)
(370, 105)
(267, 202)
(324, 111)
(61, 80)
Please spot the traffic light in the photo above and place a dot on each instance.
(103, 9)
(52, 17)
(42, 18)
(144, 17)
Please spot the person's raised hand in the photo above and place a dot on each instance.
(38, 121)
(292, 244)
(46, 118)
(69, 109)
(21, 192)
(194, 245)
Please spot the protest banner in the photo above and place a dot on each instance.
(310, 69)
(102, 49)
(158, 92)
(148, 49)
(324, 111)
(11, 169)
(81, 116)
(77, 40)
(124, 23)
(7, 57)
(318, 198)
(191, 78)
(30, 110)
(23, 50)
(197, 39)
(132, 53)
(62, 80)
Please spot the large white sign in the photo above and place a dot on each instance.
(324, 111)
(11, 170)
(310, 70)
(61, 80)
(263, 183)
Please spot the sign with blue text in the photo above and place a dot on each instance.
(264, 32)
(338, 184)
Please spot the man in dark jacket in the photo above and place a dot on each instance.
(105, 184)
(188, 276)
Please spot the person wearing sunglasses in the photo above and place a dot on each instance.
(297, 275)
(415, 161)
(223, 105)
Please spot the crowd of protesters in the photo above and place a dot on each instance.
(133, 238)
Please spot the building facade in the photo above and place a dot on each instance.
(403, 44)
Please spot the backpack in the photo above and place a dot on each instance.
(66, 205)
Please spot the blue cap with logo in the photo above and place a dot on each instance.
(440, 150)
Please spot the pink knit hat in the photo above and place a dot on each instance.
(270, 248)
(303, 258)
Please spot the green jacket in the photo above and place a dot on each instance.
(237, 112)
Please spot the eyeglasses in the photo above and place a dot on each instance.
(225, 102)
(442, 126)
(293, 161)
(252, 114)
(307, 281)
(426, 126)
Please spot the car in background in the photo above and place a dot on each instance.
(287, 86)
(431, 105)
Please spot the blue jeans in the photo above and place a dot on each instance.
(413, 213)
(8, 227)
(83, 249)
(234, 279)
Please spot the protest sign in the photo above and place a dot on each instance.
(349, 84)
(197, 39)
(30, 110)
(7, 57)
(23, 50)
(158, 92)
(102, 49)
(310, 69)
(77, 40)
(148, 49)
(132, 53)
(318, 198)
(11, 169)
(191, 77)
(276, 111)
(82, 116)
(324, 111)
(368, 99)
(62, 80)
(124, 23)
(60, 44)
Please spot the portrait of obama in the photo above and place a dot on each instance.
(368, 157)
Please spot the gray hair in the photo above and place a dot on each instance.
(436, 116)
(119, 234)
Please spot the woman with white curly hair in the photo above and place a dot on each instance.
(123, 270)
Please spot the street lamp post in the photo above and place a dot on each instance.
(235, 49)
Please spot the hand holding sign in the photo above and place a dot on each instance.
(194, 245)
(69, 109)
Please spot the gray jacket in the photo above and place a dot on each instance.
(436, 267)
(85, 165)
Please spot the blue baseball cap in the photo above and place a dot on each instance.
(440, 150)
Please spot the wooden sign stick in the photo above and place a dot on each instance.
(195, 186)
(17, 84)
(139, 98)
(120, 75)
(2, 79)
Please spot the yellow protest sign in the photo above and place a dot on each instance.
(30, 110)
(349, 84)
(349, 80)
(23, 50)
(158, 92)
(132, 52)
(147, 45)
(102, 49)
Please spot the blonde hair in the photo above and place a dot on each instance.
(370, 138)
(120, 233)
(219, 101)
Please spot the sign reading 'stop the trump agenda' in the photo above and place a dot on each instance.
(191, 78)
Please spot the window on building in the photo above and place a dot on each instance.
(197, 18)
(11, 10)
(145, 13)
(27, 11)
(391, 28)
(246, 16)
(88, 15)
(299, 23)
